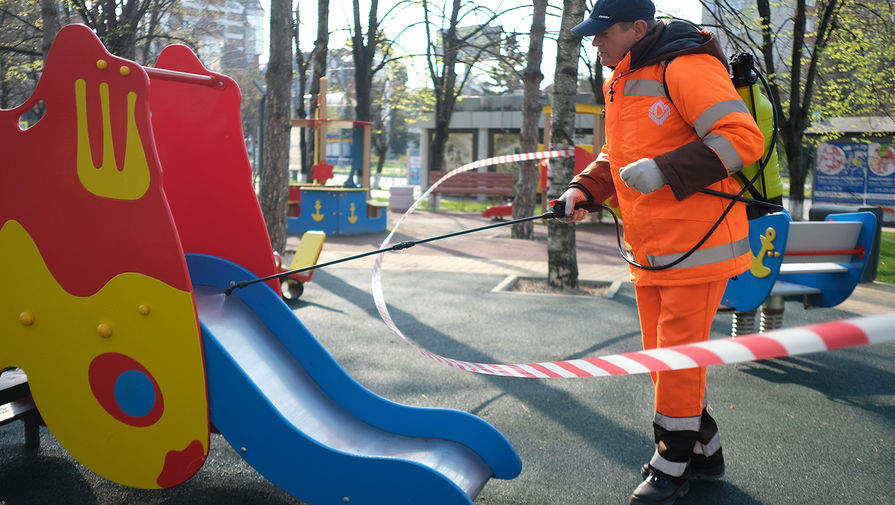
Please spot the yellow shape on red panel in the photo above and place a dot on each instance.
(132, 180)
(118, 376)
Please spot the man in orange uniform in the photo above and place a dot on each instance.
(660, 151)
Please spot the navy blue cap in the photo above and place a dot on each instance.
(608, 12)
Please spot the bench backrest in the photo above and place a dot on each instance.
(485, 180)
(821, 236)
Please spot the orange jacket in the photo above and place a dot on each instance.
(698, 139)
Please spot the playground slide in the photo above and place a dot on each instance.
(280, 399)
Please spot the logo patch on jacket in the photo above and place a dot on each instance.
(659, 111)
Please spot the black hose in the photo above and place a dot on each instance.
(733, 197)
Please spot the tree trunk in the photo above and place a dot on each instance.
(799, 165)
(363, 53)
(274, 195)
(439, 142)
(527, 178)
(380, 149)
(444, 87)
(562, 263)
(596, 82)
(50, 17)
(301, 112)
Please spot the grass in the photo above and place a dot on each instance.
(391, 169)
(886, 269)
(462, 205)
(474, 206)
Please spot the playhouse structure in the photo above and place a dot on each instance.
(335, 210)
(125, 213)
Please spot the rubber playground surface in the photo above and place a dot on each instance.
(817, 428)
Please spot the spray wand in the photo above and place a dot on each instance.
(557, 211)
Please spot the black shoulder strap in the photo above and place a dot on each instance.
(664, 82)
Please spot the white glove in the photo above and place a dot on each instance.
(570, 198)
(643, 175)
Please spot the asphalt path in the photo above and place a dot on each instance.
(813, 429)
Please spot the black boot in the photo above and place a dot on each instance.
(659, 489)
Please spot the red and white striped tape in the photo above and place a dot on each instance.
(775, 344)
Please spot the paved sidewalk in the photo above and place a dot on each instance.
(487, 252)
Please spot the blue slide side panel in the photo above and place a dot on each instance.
(462, 427)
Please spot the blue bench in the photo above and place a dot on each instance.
(816, 262)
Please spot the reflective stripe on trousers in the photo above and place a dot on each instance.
(678, 439)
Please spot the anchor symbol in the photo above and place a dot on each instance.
(351, 217)
(767, 245)
(317, 216)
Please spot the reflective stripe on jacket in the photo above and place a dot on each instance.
(703, 137)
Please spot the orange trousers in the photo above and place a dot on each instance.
(674, 315)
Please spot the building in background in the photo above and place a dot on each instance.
(487, 126)
(229, 34)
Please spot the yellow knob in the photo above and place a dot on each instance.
(104, 330)
(144, 309)
(26, 318)
(125, 70)
(102, 64)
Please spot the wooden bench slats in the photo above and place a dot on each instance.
(474, 183)
(470, 190)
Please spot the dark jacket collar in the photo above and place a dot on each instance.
(673, 38)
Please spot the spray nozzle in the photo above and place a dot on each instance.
(741, 70)
(559, 207)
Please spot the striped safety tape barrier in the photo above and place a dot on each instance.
(775, 344)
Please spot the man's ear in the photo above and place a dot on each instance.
(640, 28)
